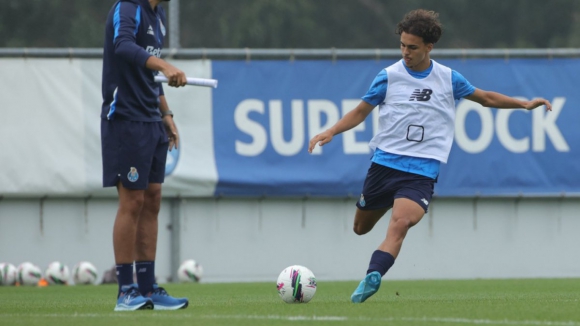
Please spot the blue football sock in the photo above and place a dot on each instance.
(124, 274)
(381, 261)
(145, 276)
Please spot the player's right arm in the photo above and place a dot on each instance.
(125, 24)
(126, 20)
(175, 77)
(348, 121)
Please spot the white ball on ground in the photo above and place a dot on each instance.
(8, 274)
(29, 274)
(84, 273)
(190, 271)
(296, 284)
(57, 273)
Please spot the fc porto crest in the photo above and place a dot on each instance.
(362, 201)
(133, 175)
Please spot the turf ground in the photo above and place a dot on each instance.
(473, 302)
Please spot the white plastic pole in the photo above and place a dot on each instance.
(192, 81)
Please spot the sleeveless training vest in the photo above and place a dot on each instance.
(417, 117)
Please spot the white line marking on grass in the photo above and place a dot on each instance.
(492, 322)
(303, 318)
(409, 319)
(277, 317)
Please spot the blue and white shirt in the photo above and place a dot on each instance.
(377, 95)
(134, 32)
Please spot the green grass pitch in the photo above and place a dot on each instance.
(449, 302)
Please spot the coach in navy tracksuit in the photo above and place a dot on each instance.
(137, 129)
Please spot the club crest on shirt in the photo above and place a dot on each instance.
(133, 175)
(362, 201)
(162, 27)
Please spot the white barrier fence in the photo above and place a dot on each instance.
(51, 125)
(253, 240)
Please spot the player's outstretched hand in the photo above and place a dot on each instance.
(530, 105)
(175, 77)
(320, 139)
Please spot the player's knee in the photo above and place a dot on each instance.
(153, 198)
(138, 203)
(152, 210)
(132, 206)
(360, 229)
(401, 223)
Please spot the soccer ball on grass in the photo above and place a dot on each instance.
(84, 273)
(190, 271)
(296, 284)
(57, 273)
(29, 274)
(8, 274)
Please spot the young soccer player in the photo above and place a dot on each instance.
(137, 129)
(416, 99)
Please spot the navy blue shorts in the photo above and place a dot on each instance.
(384, 184)
(134, 153)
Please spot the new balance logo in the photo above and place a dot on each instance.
(150, 31)
(142, 270)
(425, 201)
(421, 95)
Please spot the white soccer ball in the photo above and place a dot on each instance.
(57, 273)
(8, 274)
(190, 271)
(296, 284)
(85, 273)
(29, 274)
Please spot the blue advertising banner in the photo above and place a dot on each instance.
(265, 112)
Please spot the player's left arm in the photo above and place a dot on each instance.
(169, 124)
(500, 101)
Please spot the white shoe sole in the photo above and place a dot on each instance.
(160, 307)
(148, 305)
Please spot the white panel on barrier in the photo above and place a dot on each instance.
(195, 171)
(41, 127)
(50, 130)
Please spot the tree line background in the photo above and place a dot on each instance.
(304, 23)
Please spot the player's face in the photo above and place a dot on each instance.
(415, 52)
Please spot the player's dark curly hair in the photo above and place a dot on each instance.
(422, 23)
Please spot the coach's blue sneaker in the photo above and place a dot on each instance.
(164, 301)
(367, 287)
(131, 299)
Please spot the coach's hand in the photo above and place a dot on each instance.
(171, 132)
(175, 77)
